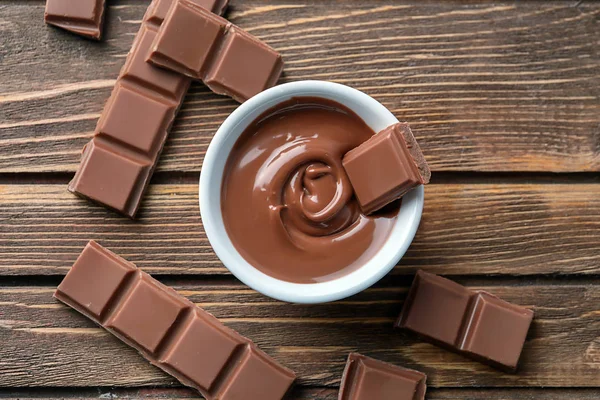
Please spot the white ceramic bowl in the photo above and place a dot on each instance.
(377, 117)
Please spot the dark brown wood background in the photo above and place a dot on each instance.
(504, 98)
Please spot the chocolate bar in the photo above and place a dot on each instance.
(82, 17)
(386, 167)
(117, 164)
(474, 323)
(366, 378)
(202, 45)
(169, 330)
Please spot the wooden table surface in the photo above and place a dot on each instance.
(504, 98)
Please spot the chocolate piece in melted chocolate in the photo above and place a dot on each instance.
(476, 324)
(82, 17)
(366, 378)
(386, 167)
(169, 330)
(201, 45)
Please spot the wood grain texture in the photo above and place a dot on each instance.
(514, 229)
(44, 343)
(302, 393)
(503, 86)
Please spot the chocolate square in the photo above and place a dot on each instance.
(245, 67)
(187, 39)
(137, 69)
(136, 119)
(385, 167)
(112, 178)
(435, 308)
(366, 378)
(147, 314)
(83, 17)
(202, 350)
(94, 279)
(257, 377)
(497, 330)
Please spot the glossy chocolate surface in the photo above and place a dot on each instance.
(288, 206)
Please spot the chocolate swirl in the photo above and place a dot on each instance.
(288, 205)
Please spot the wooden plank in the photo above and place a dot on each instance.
(514, 229)
(304, 393)
(47, 344)
(510, 86)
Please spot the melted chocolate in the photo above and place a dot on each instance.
(288, 206)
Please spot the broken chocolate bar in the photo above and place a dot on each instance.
(82, 17)
(386, 167)
(169, 330)
(473, 323)
(366, 378)
(117, 164)
(202, 45)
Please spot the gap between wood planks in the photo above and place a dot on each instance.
(299, 392)
(387, 281)
(437, 178)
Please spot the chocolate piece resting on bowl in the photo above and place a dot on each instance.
(169, 330)
(197, 43)
(386, 167)
(82, 17)
(366, 378)
(474, 323)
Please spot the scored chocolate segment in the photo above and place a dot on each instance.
(147, 314)
(262, 66)
(188, 38)
(201, 45)
(117, 164)
(476, 324)
(202, 336)
(437, 307)
(169, 330)
(496, 330)
(366, 378)
(114, 178)
(248, 380)
(94, 280)
(386, 167)
(82, 17)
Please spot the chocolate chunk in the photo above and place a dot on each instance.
(82, 17)
(201, 45)
(386, 167)
(169, 330)
(476, 324)
(366, 378)
(117, 164)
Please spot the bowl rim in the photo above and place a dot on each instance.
(392, 250)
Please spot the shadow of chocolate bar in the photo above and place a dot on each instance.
(169, 330)
(82, 17)
(386, 167)
(366, 378)
(117, 164)
(204, 46)
(476, 324)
